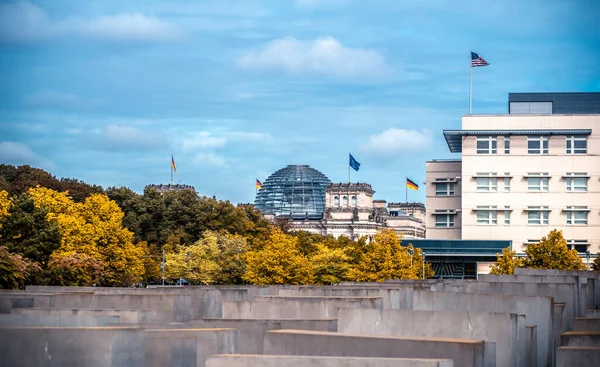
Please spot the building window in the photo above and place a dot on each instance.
(444, 189)
(488, 217)
(506, 217)
(580, 245)
(537, 145)
(537, 216)
(576, 182)
(507, 145)
(576, 144)
(506, 184)
(336, 201)
(444, 220)
(487, 183)
(537, 183)
(354, 201)
(487, 145)
(345, 201)
(577, 215)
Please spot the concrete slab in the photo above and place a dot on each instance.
(71, 347)
(499, 328)
(577, 356)
(123, 316)
(537, 310)
(581, 339)
(187, 347)
(589, 324)
(241, 360)
(463, 352)
(57, 320)
(292, 307)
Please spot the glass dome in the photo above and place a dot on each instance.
(296, 190)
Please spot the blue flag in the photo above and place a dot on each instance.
(354, 163)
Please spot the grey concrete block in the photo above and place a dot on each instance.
(499, 328)
(241, 360)
(71, 347)
(577, 356)
(531, 346)
(57, 320)
(123, 316)
(187, 347)
(581, 324)
(592, 314)
(463, 352)
(581, 339)
(291, 307)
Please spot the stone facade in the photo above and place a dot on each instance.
(351, 211)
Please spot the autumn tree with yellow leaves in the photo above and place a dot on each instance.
(278, 262)
(385, 258)
(550, 253)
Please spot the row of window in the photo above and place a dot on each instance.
(536, 182)
(580, 245)
(576, 215)
(336, 201)
(535, 145)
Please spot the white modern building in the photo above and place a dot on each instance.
(521, 174)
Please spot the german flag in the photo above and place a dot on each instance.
(411, 185)
(173, 164)
(258, 184)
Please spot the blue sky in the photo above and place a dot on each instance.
(106, 90)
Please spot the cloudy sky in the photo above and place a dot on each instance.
(106, 90)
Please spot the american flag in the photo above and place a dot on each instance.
(477, 60)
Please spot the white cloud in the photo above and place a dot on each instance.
(394, 140)
(249, 136)
(209, 159)
(203, 140)
(323, 56)
(25, 22)
(129, 138)
(17, 153)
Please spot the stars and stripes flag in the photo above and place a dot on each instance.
(477, 60)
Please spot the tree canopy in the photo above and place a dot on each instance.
(550, 253)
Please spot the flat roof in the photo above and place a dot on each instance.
(454, 137)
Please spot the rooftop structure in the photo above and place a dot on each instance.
(554, 103)
(297, 191)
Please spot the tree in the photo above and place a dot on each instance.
(552, 253)
(278, 262)
(195, 263)
(507, 262)
(26, 230)
(4, 203)
(385, 258)
(230, 258)
(74, 269)
(331, 266)
(596, 263)
(14, 269)
(22, 178)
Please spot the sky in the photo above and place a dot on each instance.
(106, 90)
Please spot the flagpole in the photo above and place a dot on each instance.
(171, 169)
(470, 87)
(406, 188)
(348, 167)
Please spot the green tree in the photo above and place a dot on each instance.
(385, 258)
(26, 230)
(195, 263)
(552, 253)
(278, 262)
(14, 269)
(331, 266)
(507, 262)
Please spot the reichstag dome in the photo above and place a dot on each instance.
(296, 190)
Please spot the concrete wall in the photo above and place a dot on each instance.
(71, 347)
(269, 307)
(123, 316)
(537, 310)
(581, 324)
(463, 352)
(499, 328)
(581, 338)
(187, 347)
(392, 296)
(58, 320)
(577, 356)
(303, 361)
